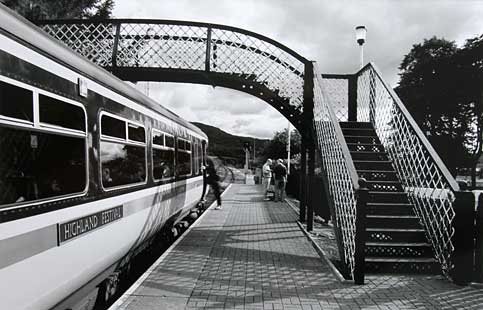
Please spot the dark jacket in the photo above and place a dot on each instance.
(211, 176)
(280, 172)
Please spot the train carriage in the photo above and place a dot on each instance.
(90, 169)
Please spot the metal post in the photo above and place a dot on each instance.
(303, 176)
(310, 189)
(463, 238)
(361, 56)
(352, 96)
(309, 137)
(253, 154)
(360, 238)
(208, 50)
(115, 46)
(479, 241)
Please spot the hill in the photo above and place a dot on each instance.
(230, 147)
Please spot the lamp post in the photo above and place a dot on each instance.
(361, 32)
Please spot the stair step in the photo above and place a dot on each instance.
(377, 208)
(364, 155)
(362, 139)
(356, 125)
(372, 175)
(365, 147)
(385, 186)
(395, 235)
(373, 165)
(388, 197)
(424, 265)
(370, 132)
(398, 249)
(389, 221)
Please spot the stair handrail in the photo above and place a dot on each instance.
(432, 152)
(431, 188)
(347, 194)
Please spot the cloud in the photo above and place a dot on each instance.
(320, 30)
(232, 111)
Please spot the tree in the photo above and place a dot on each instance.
(470, 59)
(277, 148)
(61, 9)
(431, 87)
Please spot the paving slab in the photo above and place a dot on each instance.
(251, 254)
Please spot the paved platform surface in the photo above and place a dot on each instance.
(252, 255)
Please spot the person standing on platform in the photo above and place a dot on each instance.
(280, 174)
(267, 176)
(212, 179)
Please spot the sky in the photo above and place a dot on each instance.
(319, 30)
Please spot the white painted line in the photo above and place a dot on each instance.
(119, 304)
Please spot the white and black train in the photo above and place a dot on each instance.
(90, 170)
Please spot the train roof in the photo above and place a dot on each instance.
(27, 32)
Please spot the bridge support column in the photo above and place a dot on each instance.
(303, 178)
(463, 238)
(310, 188)
(308, 144)
(352, 96)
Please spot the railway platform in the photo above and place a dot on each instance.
(252, 254)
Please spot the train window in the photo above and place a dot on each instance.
(183, 159)
(163, 157)
(169, 141)
(16, 102)
(158, 138)
(36, 165)
(163, 163)
(122, 164)
(184, 163)
(136, 133)
(187, 146)
(113, 127)
(181, 144)
(61, 113)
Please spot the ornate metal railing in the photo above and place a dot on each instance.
(189, 46)
(429, 184)
(340, 177)
(337, 89)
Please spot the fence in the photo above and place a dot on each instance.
(346, 198)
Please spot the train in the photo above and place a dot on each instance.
(90, 170)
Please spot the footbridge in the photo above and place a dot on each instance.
(396, 207)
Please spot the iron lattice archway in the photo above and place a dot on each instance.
(190, 52)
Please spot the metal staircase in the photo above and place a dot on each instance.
(395, 239)
(396, 206)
